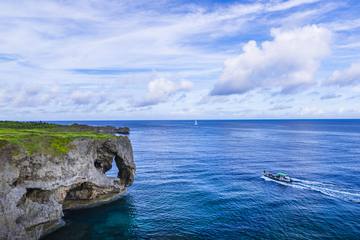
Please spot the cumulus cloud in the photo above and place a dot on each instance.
(160, 90)
(287, 62)
(348, 76)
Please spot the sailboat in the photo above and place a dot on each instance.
(195, 123)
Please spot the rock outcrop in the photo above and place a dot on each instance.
(36, 188)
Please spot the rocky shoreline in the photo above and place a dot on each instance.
(36, 188)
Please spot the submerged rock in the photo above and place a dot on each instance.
(36, 188)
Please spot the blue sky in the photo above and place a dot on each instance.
(179, 59)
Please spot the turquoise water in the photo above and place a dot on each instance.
(204, 182)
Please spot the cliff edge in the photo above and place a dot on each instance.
(46, 168)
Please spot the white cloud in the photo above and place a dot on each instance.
(289, 4)
(348, 76)
(287, 62)
(101, 54)
(81, 97)
(304, 17)
(160, 90)
(330, 96)
(345, 25)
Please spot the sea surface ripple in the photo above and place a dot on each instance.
(204, 182)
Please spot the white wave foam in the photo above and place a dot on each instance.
(324, 188)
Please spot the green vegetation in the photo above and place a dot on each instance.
(26, 125)
(40, 137)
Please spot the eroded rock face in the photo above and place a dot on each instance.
(35, 189)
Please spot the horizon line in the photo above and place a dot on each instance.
(192, 119)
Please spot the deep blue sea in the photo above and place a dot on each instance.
(205, 182)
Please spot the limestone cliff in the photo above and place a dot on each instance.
(35, 188)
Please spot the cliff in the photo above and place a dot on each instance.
(46, 169)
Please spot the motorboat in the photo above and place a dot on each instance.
(280, 176)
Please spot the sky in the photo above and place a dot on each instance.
(122, 60)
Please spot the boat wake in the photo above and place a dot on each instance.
(324, 188)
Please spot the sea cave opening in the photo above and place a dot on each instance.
(113, 171)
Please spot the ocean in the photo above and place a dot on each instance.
(205, 182)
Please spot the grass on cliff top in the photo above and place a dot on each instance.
(40, 137)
